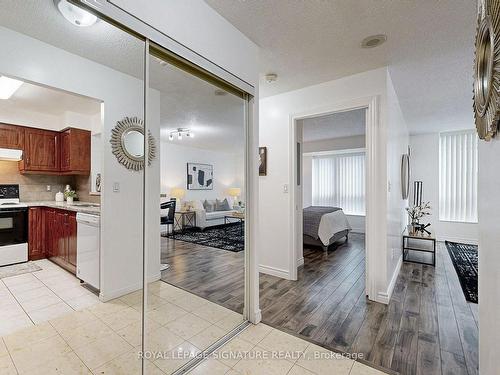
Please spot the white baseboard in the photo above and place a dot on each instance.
(300, 262)
(385, 297)
(471, 241)
(105, 297)
(273, 271)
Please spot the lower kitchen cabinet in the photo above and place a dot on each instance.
(36, 233)
(52, 234)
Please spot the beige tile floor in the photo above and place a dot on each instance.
(91, 337)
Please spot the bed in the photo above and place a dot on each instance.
(324, 225)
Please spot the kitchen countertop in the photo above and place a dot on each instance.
(76, 207)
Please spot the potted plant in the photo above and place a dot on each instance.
(70, 196)
(417, 212)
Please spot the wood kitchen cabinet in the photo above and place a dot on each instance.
(52, 234)
(64, 240)
(41, 151)
(75, 151)
(36, 233)
(11, 136)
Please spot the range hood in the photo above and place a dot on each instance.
(10, 155)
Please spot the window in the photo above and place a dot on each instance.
(458, 176)
(339, 180)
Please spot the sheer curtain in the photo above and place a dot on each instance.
(458, 176)
(339, 180)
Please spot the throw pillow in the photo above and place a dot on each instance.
(209, 206)
(222, 205)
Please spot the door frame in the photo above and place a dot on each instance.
(373, 160)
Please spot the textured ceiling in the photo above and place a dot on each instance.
(336, 125)
(429, 49)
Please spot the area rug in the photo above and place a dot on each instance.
(227, 237)
(464, 258)
(18, 269)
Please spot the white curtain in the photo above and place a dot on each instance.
(339, 180)
(458, 176)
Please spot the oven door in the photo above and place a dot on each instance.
(13, 226)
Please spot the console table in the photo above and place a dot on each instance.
(417, 244)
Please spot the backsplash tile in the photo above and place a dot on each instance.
(34, 187)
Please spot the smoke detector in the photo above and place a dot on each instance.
(271, 77)
(373, 41)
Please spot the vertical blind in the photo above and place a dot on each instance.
(339, 180)
(458, 176)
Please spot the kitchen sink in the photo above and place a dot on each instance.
(87, 205)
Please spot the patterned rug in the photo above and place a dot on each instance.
(18, 269)
(464, 258)
(226, 237)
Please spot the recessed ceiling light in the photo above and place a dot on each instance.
(373, 41)
(8, 87)
(77, 16)
(271, 77)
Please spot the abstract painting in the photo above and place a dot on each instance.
(200, 176)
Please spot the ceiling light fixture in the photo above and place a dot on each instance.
(271, 77)
(77, 16)
(8, 86)
(180, 132)
(373, 41)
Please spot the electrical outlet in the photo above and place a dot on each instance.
(116, 187)
(49, 188)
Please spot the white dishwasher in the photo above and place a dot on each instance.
(88, 255)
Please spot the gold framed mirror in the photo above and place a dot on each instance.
(487, 70)
(127, 143)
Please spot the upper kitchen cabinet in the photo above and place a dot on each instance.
(51, 152)
(41, 151)
(11, 136)
(75, 151)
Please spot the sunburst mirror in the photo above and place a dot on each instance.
(487, 70)
(127, 143)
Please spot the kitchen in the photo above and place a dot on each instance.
(50, 193)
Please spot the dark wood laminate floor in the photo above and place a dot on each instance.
(427, 328)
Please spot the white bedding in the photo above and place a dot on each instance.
(330, 224)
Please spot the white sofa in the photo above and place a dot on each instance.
(209, 219)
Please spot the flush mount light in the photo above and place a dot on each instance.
(74, 14)
(271, 77)
(180, 132)
(8, 87)
(373, 41)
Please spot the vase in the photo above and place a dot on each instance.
(69, 200)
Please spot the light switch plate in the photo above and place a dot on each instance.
(116, 187)
(285, 188)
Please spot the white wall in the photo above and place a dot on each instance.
(275, 114)
(397, 144)
(123, 96)
(424, 162)
(489, 256)
(344, 143)
(228, 170)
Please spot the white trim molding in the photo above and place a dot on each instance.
(273, 271)
(385, 297)
(373, 165)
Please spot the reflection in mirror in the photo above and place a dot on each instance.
(77, 82)
(133, 143)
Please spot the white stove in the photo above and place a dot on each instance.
(13, 226)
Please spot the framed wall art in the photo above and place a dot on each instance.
(200, 176)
